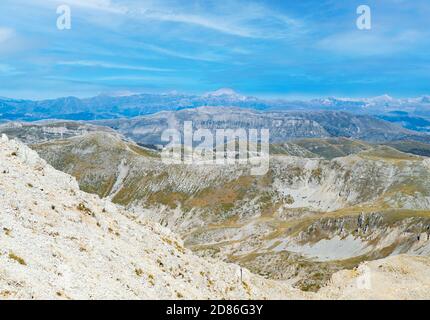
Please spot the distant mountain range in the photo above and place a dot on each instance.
(283, 125)
(413, 113)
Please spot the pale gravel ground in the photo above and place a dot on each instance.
(59, 242)
(396, 277)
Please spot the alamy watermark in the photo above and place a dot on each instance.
(364, 21)
(225, 147)
(364, 280)
(64, 20)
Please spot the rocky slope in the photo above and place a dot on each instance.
(308, 217)
(59, 242)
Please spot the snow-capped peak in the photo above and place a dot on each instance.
(382, 98)
(223, 92)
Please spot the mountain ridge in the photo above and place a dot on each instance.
(283, 125)
(107, 107)
(300, 205)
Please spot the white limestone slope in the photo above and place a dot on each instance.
(59, 242)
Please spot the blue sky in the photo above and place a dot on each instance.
(293, 49)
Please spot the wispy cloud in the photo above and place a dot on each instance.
(177, 54)
(101, 64)
(100, 5)
(243, 19)
(207, 22)
(237, 18)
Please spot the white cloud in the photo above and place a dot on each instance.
(6, 34)
(243, 19)
(101, 64)
(176, 54)
(216, 24)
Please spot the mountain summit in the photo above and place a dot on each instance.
(224, 92)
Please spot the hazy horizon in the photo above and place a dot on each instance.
(290, 98)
